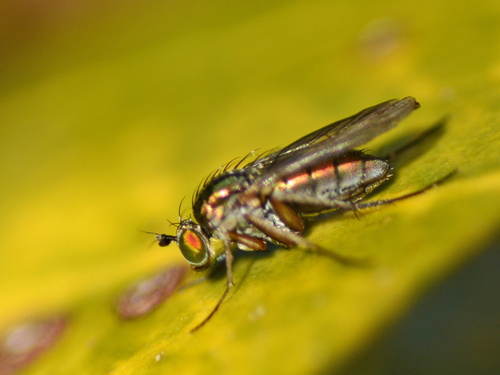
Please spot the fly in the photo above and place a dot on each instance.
(267, 199)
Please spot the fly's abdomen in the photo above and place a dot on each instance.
(348, 179)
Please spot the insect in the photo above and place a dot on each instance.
(267, 199)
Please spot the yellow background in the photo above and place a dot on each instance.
(112, 112)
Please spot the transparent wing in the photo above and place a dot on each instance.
(332, 140)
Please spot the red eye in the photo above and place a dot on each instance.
(193, 240)
(193, 245)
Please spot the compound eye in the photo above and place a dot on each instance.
(194, 247)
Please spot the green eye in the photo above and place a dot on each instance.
(194, 246)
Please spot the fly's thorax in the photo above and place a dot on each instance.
(217, 199)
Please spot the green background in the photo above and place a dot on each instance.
(112, 112)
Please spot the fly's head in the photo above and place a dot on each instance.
(196, 246)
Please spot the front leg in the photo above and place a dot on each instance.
(230, 284)
(229, 265)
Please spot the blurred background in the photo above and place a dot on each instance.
(111, 112)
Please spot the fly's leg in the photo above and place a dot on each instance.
(230, 284)
(331, 204)
(293, 239)
(288, 215)
(312, 201)
(360, 206)
(251, 243)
